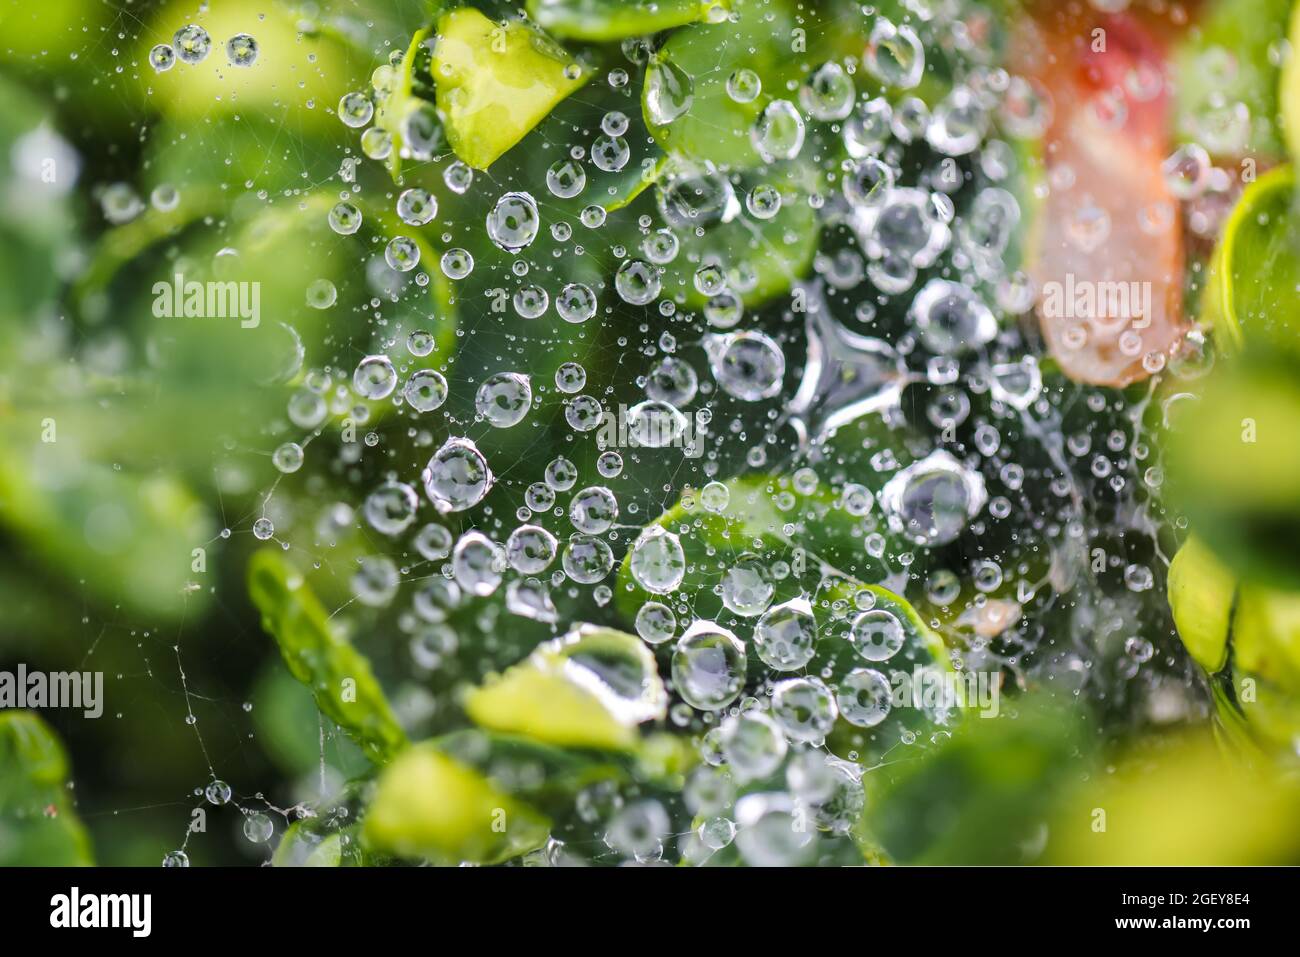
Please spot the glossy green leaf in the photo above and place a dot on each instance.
(427, 805)
(1251, 293)
(495, 82)
(716, 127)
(339, 676)
(601, 21)
(781, 41)
(39, 826)
(589, 689)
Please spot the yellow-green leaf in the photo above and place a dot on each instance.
(495, 82)
(1255, 270)
(1266, 635)
(1201, 591)
(1289, 95)
(589, 689)
(1191, 804)
(427, 805)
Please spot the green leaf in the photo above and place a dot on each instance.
(38, 824)
(1234, 465)
(427, 805)
(781, 41)
(1289, 93)
(128, 536)
(1187, 803)
(777, 251)
(982, 796)
(1271, 713)
(1226, 59)
(305, 846)
(338, 675)
(589, 689)
(717, 128)
(547, 777)
(296, 71)
(495, 82)
(601, 21)
(1266, 636)
(764, 515)
(288, 724)
(1201, 593)
(1255, 272)
(397, 104)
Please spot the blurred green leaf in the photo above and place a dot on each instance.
(1266, 636)
(1201, 593)
(297, 74)
(1234, 465)
(38, 825)
(1229, 58)
(427, 805)
(1289, 93)
(129, 537)
(1189, 803)
(981, 797)
(289, 726)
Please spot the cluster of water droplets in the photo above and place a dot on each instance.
(767, 645)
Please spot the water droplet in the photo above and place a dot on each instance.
(669, 91)
(709, 666)
(778, 133)
(192, 43)
(241, 50)
(457, 476)
(786, 634)
(657, 561)
(504, 399)
(513, 222)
